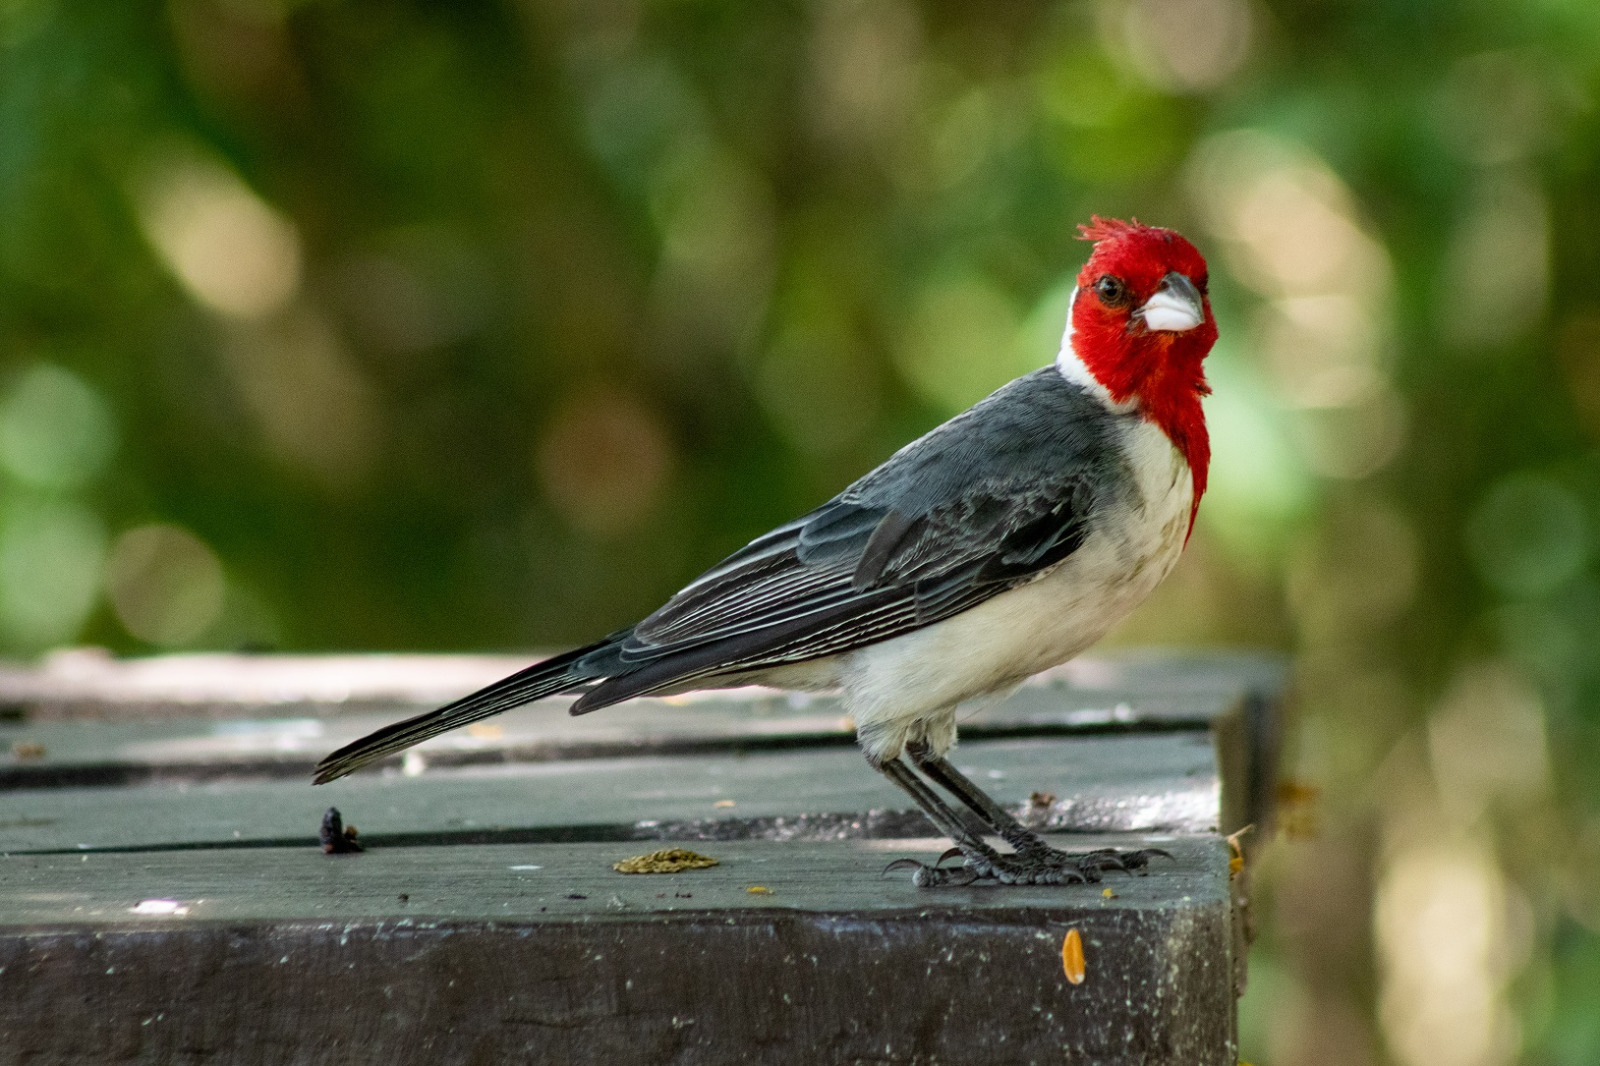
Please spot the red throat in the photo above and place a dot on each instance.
(1161, 370)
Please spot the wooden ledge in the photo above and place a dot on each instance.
(162, 896)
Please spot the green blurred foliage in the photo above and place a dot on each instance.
(485, 325)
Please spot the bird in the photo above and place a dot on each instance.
(1001, 543)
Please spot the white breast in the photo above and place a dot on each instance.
(907, 688)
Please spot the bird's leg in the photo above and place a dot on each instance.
(944, 820)
(941, 772)
(981, 861)
(1031, 849)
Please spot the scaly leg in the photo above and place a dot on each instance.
(1035, 861)
(945, 820)
(981, 861)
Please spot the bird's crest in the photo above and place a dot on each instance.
(1098, 229)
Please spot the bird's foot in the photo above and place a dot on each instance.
(1035, 864)
(1135, 862)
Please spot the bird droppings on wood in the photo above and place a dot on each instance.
(336, 837)
(665, 861)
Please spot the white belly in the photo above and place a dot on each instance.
(907, 688)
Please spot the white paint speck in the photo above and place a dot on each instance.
(159, 907)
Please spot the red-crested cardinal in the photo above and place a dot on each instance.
(1003, 542)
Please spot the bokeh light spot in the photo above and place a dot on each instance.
(312, 402)
(1288, 219)
(231, 250)
(1495, 107)
(166, 585)
(55, 430)
(1497, 276)
(604, 459)
(1441, 930)
(960, 343)
(1527, 536)
(863, 67)
(1489, 707)
(50, 563)
(1258, 485)
(1352, 440)
(1185, 45)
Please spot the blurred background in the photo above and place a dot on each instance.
(471, 326)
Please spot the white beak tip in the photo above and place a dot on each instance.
(1174, 307)
(1169, 319)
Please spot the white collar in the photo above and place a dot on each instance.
(1073, 369)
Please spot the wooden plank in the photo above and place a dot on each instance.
(52, 749)
(87, 683)
(87, 752)
(279, 958)
(1156, 782)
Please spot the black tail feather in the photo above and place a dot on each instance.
(546, 678)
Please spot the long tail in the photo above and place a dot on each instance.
(559, 674)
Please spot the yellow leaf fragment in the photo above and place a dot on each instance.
(759, 890)
(1072, 962)
(1108, 894)
(1236, 852)
(723, 803)
(666, 861)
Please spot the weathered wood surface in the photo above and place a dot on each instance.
(490, 963)
(486, 925)
(88, 683)
(76, 730)
(1160, 783)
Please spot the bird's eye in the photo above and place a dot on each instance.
(1111, 290)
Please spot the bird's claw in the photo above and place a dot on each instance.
(936, 874)
(902, 864)
(1135, 862)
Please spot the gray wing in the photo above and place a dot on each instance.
(980, 505)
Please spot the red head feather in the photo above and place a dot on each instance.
(1160, 370)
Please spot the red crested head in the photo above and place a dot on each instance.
(1141, 326)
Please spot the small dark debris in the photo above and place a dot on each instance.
(576, 895)
(337, 838)
(405, 897)
(24, 750)
(1039, 800)
(684, 895)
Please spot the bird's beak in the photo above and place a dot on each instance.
(1175, 307)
